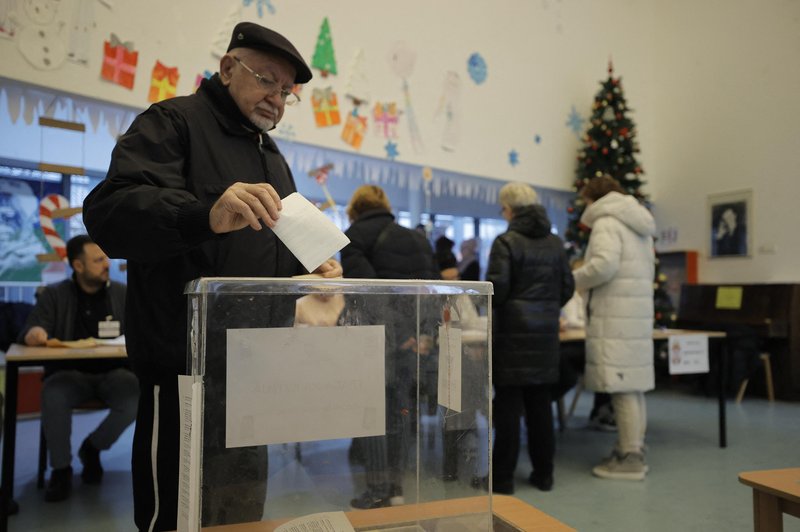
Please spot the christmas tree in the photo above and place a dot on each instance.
(610, 148)
(324, 59)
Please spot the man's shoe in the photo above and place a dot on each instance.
(60, 485)
(90, 458)
(541, 482)
(369, 500)
(629, 466)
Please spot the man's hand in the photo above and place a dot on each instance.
(244, 204)
(329, 269)
(36, 336)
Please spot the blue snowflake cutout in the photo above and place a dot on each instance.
(513, 158)
(260, 5)
(575, 122)
(391, 150)
(537, 139)
(286, 131)
(476, 66)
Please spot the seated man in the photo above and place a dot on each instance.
(73, 310)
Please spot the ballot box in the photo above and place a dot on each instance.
(336, 404)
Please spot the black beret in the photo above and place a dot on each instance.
(250, 35)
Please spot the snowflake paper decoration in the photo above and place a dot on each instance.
(476, 66)
(513, 158)
(391, 150)
(575, 122)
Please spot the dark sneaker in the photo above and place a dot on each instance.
(369, 500)
(90, 458)
(60, 485)
(541, 482)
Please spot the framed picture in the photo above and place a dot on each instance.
(730, 219)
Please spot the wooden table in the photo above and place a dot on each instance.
(16, 357)
(579, 335)
(775, 492)
(511, 510)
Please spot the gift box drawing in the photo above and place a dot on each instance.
(326, 107)
(164, 83)
(119, 62)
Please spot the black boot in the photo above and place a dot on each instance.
(60, 485)
(90, 458)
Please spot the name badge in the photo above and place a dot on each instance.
(108, 329)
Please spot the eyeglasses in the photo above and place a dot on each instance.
(270, 86)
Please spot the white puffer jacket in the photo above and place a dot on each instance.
(618, 272)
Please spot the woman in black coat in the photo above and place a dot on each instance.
(532, 281)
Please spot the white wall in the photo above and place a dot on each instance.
(727, 88)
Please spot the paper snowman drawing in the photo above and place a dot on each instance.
(38, 38)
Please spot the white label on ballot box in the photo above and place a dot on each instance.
(293, 384)
(449, 385)
(688, 353)
(108, 329)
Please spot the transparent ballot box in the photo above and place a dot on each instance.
(336, 404)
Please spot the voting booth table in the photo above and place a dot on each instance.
(304, 393)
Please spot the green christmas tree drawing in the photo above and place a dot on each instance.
(610, 147)
(324, 59)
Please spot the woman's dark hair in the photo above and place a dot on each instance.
(597, 187)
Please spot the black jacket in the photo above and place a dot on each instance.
(532, 281)
(152, 209)
(397, 253)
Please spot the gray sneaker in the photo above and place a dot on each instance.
(630, 466)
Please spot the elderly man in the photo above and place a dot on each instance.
(88, 305)
(193, 190)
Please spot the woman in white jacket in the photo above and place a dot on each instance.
(618, 273)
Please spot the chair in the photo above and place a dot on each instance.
(767, 375)
(93, 404)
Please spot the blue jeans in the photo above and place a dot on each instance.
(64, 390)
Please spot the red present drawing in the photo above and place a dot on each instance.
(354, 130)
(119, 62)
(164, 83)
(326, 107)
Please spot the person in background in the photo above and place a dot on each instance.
(193, 190)
(446, 259)
(618, 271)
(379, 248)
(532, 281)
(74, 309)
(469, 269)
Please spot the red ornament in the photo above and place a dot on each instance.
(605, 151)
(608, 133)
(570, 209)
(623, 132)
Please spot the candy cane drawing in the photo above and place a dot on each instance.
(54, 206)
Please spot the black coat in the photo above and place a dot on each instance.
(152, 209)
(532, 281)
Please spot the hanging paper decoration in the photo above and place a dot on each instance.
(427, 174)
(200, 77)
(119, 62)
(324, 59)
(355, 127)
(320, 175)
(391, 150)
(385, 116)
(164, 83)
(476, 66)
(51, 207)
(326, 107)
(513, 158)
(357, 88)
(402, 60)
(450, 108)
(575, 122)
(260, 4)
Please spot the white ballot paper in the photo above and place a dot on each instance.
(310, 235)
(449, 391)
(688, 354)
(321, 522)
(293, 384)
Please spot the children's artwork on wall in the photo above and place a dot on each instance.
(8, 27)
(221, 40)
(326, 107)
(39, 39)
(391, 150)
(80, 31)
(355, 127)
(449, 108)
(537, 139)
(119, 62)
(324, 58)
(513, 158)
(476, 66)
(320, 175)
(200, 77)
(163, 83)
(286, 131)
(385, 116)
(575, 122)
(357, 88)
(261, 4)
(402, 60)
(19, 242)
